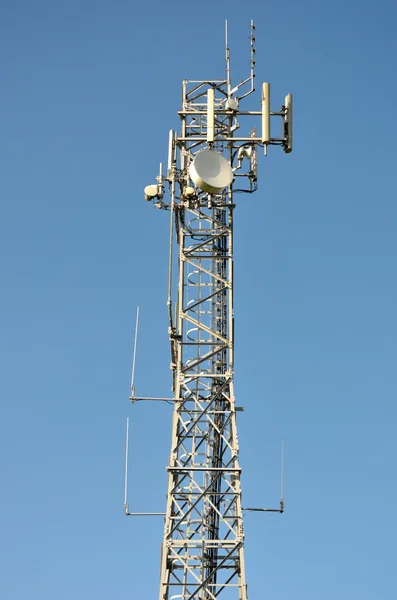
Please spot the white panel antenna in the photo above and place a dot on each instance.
(210, 115)
(288, 123)
(266, 113)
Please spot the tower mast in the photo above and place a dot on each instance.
(202, 556)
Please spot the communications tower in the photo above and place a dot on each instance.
(209, 164)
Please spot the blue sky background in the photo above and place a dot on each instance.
(88, 93)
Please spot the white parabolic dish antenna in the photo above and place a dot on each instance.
(211, 172)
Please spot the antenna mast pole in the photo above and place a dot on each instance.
(202, 556)
(227, 57)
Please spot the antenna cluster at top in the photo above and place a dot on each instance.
(209, 155)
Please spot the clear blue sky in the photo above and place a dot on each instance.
(88, 93)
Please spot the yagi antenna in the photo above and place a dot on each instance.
(134, 354)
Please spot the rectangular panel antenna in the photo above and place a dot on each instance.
(210, 115)
(266, 113)
(288, 123)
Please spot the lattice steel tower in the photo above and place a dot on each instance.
(202, 554)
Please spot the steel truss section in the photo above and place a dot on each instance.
(203, 546)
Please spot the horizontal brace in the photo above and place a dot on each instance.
(204, 254)
(229, 520)
(221, 585)
(195, 138)
(154, 514)
(254, 113)
(204, 203)
(207, 234)
(209, 343)
(227, 139)
(210, 412)
(273, 510)
(141, 514)
(218, 543)
(190, 376)
(215, 469)
(139, 399)
(195, 563)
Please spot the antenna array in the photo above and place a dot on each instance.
(202, 552)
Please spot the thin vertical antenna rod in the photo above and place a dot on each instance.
(134, 355)
(282, 477)
(253, 50)
(227, 58)
(126, 467)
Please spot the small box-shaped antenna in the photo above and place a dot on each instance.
(266, 113)
(210, 115)
(288, 124)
